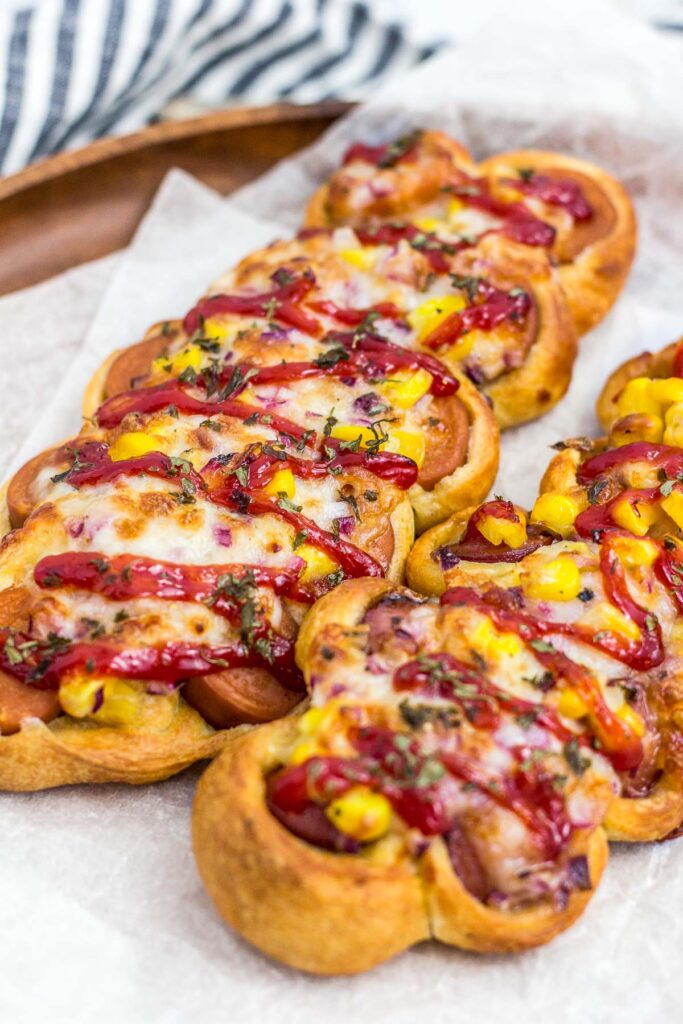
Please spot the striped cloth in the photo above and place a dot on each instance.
(75, 70)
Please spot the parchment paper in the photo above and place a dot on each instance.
(104, 917)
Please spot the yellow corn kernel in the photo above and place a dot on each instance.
(77, 694)
(636, 551)
(571, 705)
(673, 506)
(311, 721)
(318, 563)
(303, 751)
(133, 444)
(121, 701)
(605, 616)
(556, 511)
(637, 426)
(360, 813)
(283, 482)
(667, 390)
(673, 426)
(122, 704)
(361, 259)
(454, 208)
(637, 397)
(174, 365)
(632, 719)
(557, 580)
(351, 432)
(426, 317)
(408, 443)
(635, 516)
(504, 531)
(427, 223)
(486, 639)
(216, 329)
(406, 389)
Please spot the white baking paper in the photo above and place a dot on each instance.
(105, 919)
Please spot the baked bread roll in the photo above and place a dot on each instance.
(569, 208)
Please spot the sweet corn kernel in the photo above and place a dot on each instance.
(426, 317)
(606, 617)
(283, 482)
(361, 259)
(557, 580)
(351, 432)
(311, 721)
(360, 813)
(455, 208)
(406, 389)
(668, 390)
(635, 516)
(121, 702)
(504, 531)
(637, 397)
(133, 444)
(216, 329)
(632, 719)
(637, 426)
(174, 365)
(571, 705)
(318, 563)
(486, 639)
(673, 426)
(303, 751)
(556, 511)
(427, 223)
(636, 551)
(673, 506)
(77, 695)
(408, 443)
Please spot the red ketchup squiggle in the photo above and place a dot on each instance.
(387, 154)
(619, 743)
(279, 305)
(597, 520)
(129, 576)
(355, 317)
(519, 223)
(168, 664)
(433, 248)
(659, 456)
(391, 768)
(94, 466)
(150, 400)
(497, 307)
(351, 559)
(396, 469)
(563, 192)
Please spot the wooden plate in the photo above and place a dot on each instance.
(80, 205)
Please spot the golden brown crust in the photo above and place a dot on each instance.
(65, 752)
(459, 919)
(593, 278)
(322, 912)
(331, 913)
(539, 383)
(641, 819)
(647, 364)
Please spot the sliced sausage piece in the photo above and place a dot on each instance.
(19, 700)
(583, 233)
(447, 430)
(135, 362)
(239, 695)
(21, 499)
